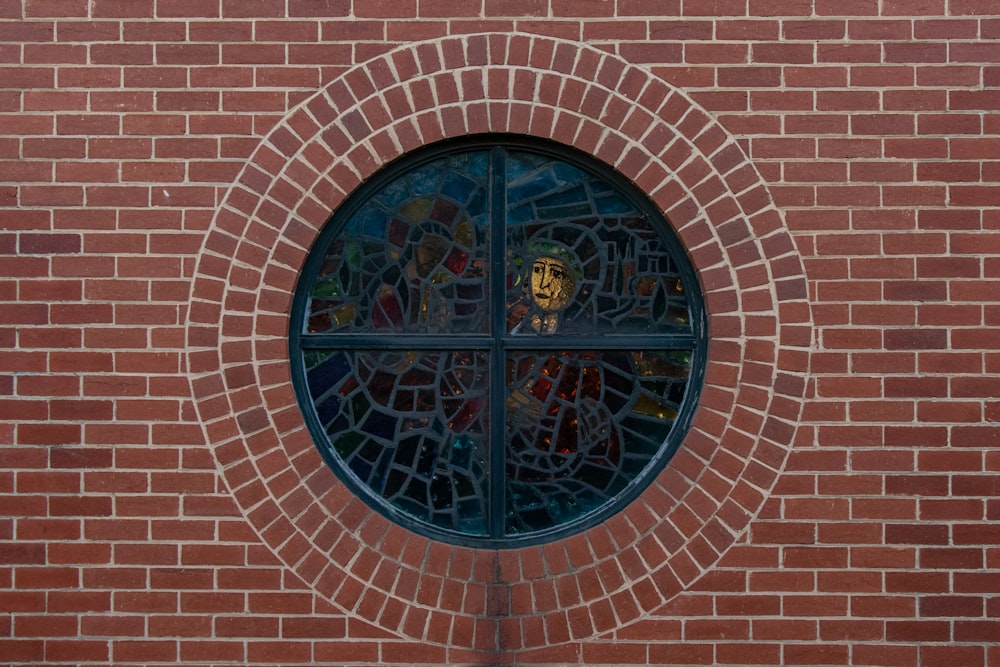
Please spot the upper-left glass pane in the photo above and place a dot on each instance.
(413, 258)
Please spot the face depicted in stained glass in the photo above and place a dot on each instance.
(411, 320)
(552, 284)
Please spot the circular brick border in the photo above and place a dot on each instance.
(579, 587)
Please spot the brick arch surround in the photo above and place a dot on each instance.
(580, 587)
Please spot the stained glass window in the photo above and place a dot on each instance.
(497, 342)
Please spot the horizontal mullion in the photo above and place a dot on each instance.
(600, 342)
(480, 342)
(384, 341)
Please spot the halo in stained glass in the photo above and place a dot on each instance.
(497, 342)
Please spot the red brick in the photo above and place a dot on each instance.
(110, 8)
(819, 654)
(912, 339)
(901, 631)
(960, 411)
(26, 650)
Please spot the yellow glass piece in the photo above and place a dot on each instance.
(344, 314)
(646, 405)
(552, 283)
(417, 209)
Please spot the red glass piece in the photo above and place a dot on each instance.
(444, 211)
(388, 313)
(456, 261)
(349, 387)
(398, 231)
(541, 389)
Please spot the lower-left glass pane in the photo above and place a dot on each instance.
(411, 427)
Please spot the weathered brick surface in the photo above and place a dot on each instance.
(831, 166)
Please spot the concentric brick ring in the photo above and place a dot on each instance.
(677, 529)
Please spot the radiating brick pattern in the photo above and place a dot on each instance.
(619, 571)
(830, 165)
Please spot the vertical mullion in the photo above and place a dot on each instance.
(498, 321)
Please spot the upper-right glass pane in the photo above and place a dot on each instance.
(582, 258)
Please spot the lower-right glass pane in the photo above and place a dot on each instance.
(581, 425)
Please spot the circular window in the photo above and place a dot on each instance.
(497, 342)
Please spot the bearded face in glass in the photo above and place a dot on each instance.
(552, 284)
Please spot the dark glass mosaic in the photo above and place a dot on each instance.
(498, 344)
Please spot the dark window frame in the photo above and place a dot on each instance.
(499, 341)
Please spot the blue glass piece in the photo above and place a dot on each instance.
(361, 468)
(327, 373)
(566, 173)
(370, 222)
(599, 187)
(392, 195)
(327, 409)
(478, 165)
(529, 188)
(426, 181)
(477, 206)
(612, 204)
(574, 195)
(380, 425)
(520, 215)
(563, 212)
(459, 187)
(518, 164)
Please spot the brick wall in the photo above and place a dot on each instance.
(832, 167)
